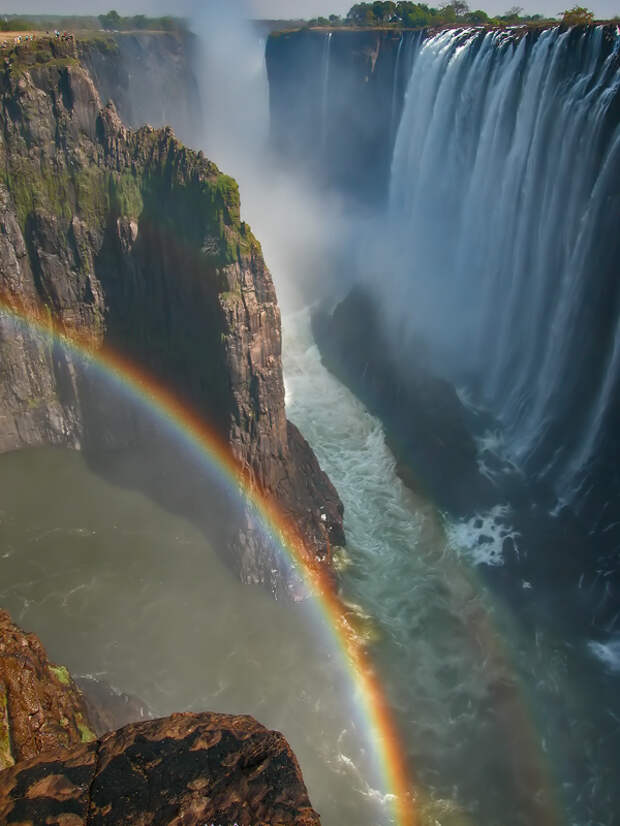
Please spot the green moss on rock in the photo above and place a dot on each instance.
(126, 194)
(61, 674)
(6, 755)
(86, 734)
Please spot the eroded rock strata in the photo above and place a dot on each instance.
(134, 243)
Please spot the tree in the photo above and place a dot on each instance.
(140, 21)
(478, 16)
(384, 12)
(455, 8)
(513, 13)
(111, 20)
(361, 15)
(577, 16)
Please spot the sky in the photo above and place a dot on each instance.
(279, 8)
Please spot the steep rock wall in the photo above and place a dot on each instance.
(131, 241)
(335, 101)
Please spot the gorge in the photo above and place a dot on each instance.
(438, 210)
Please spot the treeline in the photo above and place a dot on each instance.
(417, 15)
(112, 21)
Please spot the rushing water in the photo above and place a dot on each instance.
(119, 587)
(499, 725)
(504, 193)
(325, 88)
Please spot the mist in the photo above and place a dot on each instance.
(303, 227)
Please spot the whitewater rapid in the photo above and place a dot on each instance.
(476, 698)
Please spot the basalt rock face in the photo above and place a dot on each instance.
(187, 769)
(41, 708)
(132, 243)
(335, 100)
(427, 426)
(150, 78)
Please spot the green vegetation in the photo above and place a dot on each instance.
(86, 734)
(61, 674)
(577, 16)
(6, 754)
(112, 21)
(126, 195)
(417, 15)
(449, 13)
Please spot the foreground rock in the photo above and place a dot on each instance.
(41, 708)
(131, 242)
(189, 769)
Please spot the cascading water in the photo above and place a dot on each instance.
(394, 112)
(325, 89)
(504, 190)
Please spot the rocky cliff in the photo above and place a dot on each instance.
(129, 240)
(188, 768)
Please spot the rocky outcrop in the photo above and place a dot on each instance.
(186, 769)
(41, 708)
(129, 241)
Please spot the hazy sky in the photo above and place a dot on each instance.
(278, 8)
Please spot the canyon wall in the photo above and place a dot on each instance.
(132, 242)
(335, 100)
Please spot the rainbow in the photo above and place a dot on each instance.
(210, 446)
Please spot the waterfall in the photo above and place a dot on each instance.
(324, 102)
(393, 114)
(504, 192)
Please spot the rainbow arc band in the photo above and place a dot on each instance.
(389, 752)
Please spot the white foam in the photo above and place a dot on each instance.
(481, 538)
(608, 653)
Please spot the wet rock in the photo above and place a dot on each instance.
(189, 769)
(41, 708)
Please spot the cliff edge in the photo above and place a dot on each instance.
(130, 241)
